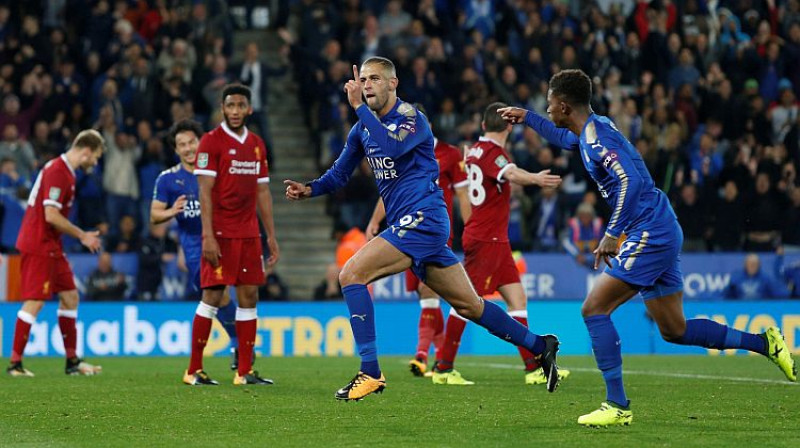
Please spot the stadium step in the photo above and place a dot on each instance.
(303, 228)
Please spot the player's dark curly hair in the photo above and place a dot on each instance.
(572, 86)
(236, 89)
(185, 125)
(492, 121)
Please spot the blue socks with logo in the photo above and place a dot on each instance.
(500, 324)
(709, 334)
(362, 321)
(608, 354)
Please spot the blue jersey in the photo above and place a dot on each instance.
(617, 168)
(649, 258)
(399, 149)
(171, 184)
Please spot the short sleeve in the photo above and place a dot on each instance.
(160, 190)
(495, 164)
(207, 158)
(263, 166)
(56, 188)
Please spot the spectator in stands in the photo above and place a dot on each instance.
(127, 239)
(690, 210)
(784, 113)
(119, 172)
(358, 198)
(753, 283)
(255, 73)
(583, 234)
(329, 288)
(728, 220)
(546, 220)
(153, 253)
(105, 283)
(273, 289)
(763, 216)
(20, 151)
(12, 113)
(12, 184)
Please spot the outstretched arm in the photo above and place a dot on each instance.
(336, 176)
(562, 138)
(522, 177)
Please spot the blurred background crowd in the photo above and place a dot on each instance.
(706, 90)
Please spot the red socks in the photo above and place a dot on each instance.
(452, 339)
(246, 326)
(431, 322)
(527, 357)
(66, 322)
(201, 329)
(21, 332)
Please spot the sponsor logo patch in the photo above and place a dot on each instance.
(202, 160)
(501, 161)
(54, 193)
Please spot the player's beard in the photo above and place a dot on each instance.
(232, 128)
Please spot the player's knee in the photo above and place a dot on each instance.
(349, 277)
(673, 333)
(469, 310)
(589, 309)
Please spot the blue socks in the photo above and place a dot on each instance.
(227, 317)
(608, 354)
(362, 321)
(500, 324)
(709, 334)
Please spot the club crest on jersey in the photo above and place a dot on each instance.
(202, 160)
(501, 161)
(232, 152)
(54, 193)
(392, 127)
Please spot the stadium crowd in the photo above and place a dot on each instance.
(706, 90)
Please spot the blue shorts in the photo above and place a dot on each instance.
(649, 259)
(422, 236)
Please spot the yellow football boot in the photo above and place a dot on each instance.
(607, 415)
(360, 386)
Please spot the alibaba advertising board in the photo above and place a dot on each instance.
(323, 328)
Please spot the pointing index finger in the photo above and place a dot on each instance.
(355, 73)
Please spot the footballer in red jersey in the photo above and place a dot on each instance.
(45, 270)
(453, 181)
(233, 181)
(487, 252)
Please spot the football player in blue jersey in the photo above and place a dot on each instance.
(176, 196)
(641, 245)
(398, 144)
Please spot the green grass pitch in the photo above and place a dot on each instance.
(684, 401)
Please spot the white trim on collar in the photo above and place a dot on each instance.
(485, 139)
(66, 162)
(239, 138)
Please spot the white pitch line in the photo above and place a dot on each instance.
(738, 379)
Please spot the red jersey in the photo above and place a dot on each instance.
(489, 193)
(54, 186)
(238, 164)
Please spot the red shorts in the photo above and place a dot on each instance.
(241, 263)
(44, 275)
(489, 265)
(412, 282)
